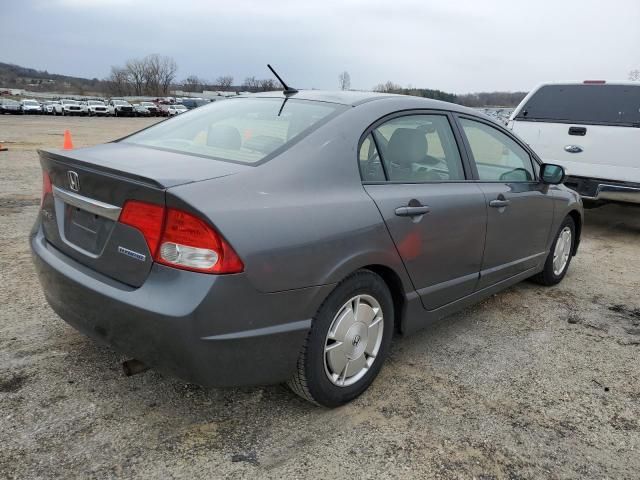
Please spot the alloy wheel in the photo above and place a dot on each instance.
(353, 340)
(562, 251)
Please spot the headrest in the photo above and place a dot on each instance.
(406, 146)
(224, 136)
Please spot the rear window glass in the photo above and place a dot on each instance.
(587, 104)
(244, 130)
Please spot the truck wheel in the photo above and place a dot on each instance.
(559, 258)
(347, 343)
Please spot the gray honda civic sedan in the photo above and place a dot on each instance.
(285, 237)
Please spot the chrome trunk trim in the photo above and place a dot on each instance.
(88, 204)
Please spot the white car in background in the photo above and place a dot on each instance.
(592, 129)
(69, 107)
(30, 107)
(151, 107)
(48, 107)
(97, 107)
(120, 108)
(176, 109)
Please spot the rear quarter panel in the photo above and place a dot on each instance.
(303, 218)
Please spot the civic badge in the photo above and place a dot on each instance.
(74, 181)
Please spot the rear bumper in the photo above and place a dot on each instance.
(205, 329)
(600, 190)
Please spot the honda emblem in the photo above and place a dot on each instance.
(74, 181)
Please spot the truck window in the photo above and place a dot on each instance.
(617, 105)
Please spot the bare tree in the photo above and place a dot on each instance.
(151, 75)
(119, 81)
(192, 84)
(251, 83)
(224, 82)
(344, 81)
(634, 75)
(137, 71)
(267, 84)
(388, 87)
(165, 69)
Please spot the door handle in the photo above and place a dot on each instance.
(578, 131)
(412, 211)
(499, 203)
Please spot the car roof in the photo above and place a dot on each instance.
(355, 98)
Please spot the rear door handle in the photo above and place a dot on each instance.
(499, 203)
(412, 211)
(578, 131)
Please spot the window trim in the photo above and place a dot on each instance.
(533, 158)
(466, 167)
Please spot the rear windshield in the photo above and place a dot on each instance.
(586, 104)
(243, 130)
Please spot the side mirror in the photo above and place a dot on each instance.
(552, 174)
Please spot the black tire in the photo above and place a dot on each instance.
(547, 276)
(310, 380)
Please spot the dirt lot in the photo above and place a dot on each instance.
(532, 383)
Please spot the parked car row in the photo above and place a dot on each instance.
(114, 107)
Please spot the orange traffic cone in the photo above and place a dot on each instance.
(3, 148)
(68, 144)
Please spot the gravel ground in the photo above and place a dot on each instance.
(532, 383)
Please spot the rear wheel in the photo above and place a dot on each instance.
(347, 343)
(559, 258)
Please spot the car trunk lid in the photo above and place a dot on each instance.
(91, 186)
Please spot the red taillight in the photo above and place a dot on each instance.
(46, 186)
(594, 82)
(146, 217)
(188, 242)
(180, 239)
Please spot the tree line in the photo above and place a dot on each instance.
(155, 75)
(481, 99)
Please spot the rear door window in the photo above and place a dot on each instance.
(418, 149)
(370, 163)
(617, 105)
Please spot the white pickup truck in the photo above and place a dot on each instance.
(592, 129)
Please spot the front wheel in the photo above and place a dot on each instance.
(348, 342)
(559, 258)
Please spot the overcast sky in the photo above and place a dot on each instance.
(457, 46)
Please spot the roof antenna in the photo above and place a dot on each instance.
(287, 90)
